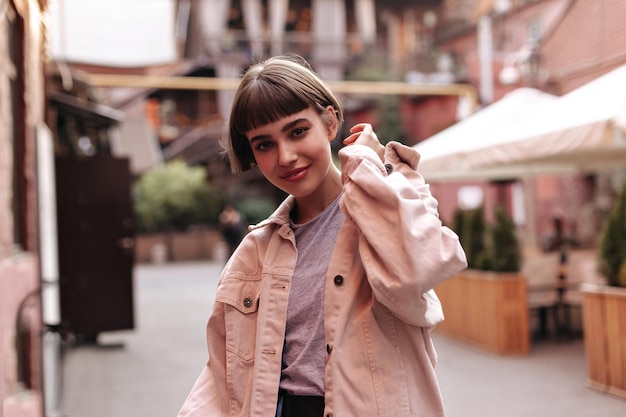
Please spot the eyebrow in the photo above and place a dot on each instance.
(284, 129)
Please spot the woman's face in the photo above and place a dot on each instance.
(294, 152)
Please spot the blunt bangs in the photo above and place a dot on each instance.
(263, 102)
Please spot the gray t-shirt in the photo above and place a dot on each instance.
(304, 350)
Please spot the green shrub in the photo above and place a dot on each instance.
(476, 229)
(255, 210)
(505, 249)
(458, 225)
(174, 196)
(471, 227)
(488, 247)
(621, 276)
(612, 244)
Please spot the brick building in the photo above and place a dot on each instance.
(22, 39)
(552, 45)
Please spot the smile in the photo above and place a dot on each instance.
(295, 174)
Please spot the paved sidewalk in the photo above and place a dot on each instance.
(148, 372)
(549, 382)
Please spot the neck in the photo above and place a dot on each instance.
(309, 207)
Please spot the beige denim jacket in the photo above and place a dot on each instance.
(379, 305)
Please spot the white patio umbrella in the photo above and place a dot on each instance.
(449, 155)
(582, 131)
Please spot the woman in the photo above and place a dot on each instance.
(325, 308)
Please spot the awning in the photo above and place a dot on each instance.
(451, 153)
(580, 132)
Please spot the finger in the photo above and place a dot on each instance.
(351, 139)
(367, 136)
(359, 127)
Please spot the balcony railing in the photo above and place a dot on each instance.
(350, 51)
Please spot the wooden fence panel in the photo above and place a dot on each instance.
(604, 320)
(487, 310)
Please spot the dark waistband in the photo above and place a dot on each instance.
(302, 406)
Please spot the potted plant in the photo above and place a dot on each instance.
(486, 305)
(176, 211)
(604, 307)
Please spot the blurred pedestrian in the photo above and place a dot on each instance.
(231, 226)
(325, 308)
(559, 240)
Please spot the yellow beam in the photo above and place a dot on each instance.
(162, 82)
(347, 87)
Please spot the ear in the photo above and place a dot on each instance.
(332, 125)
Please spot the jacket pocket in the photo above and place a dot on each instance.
(241, 304)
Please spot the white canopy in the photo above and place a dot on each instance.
(450, 153)
(530, 132)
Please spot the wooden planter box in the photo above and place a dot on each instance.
(604, 327)
(201, 244)
(487, 310)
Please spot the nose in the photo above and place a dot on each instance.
(287, 154)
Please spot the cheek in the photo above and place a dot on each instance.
(322, 150)
(263, 161)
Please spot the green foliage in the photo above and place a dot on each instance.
(255, 210)
(458, 225)
(174, 196)
(390, 120)
(621, 276)
(505, 249)
(477, 228)
(488, 248)
(470, 226)
(612, 245)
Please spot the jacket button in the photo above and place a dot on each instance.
(329, 348)
(389, 168)
(247, 302)
(338, 280)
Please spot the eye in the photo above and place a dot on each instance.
(263, 145)
(299, 131)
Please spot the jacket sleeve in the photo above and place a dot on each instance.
(405, 249)
(209, 396)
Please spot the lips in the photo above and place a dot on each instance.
(295, 175)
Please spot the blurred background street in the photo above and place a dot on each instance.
(149, 371)
(113, 184)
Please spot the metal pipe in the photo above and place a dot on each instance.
(216, 83)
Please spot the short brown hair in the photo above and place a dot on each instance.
(270, 90)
